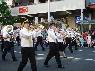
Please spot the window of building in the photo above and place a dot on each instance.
(42, 1)
(90, 1)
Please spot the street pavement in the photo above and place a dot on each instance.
(81, 60)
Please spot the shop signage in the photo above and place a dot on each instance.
(78, 19)
(23, 9)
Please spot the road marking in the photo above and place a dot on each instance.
(41, 54)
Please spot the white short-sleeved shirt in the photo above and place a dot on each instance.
(26, 38)
(51, 36)
(59, 37)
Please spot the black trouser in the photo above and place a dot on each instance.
(8, 48)
(18, 43)
(18, 40)
(39, 41)
(74, 43)
(2, 45)
(70, 47)
(27, 53)
(53, 51)
(69, 43)
(61, 46)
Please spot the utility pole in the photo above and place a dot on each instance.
(81, 20)
(48, 10)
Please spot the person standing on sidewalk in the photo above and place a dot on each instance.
(27, 49)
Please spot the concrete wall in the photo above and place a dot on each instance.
(54, 6)
(71, 21)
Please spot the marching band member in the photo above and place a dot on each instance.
(60, 34)
(75, 40)
(53, 48)
(33, 32)
(2, 40)
(7, 33)
(68, 40)
(39, 38)
(17, 36)
(71, 39)
(27, 49)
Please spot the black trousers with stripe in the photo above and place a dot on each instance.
(39, 41)
(53, 51)
(27, 53)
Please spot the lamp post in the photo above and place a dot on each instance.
(48, 10)
(81, 20)
(36, 1)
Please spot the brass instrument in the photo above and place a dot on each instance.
(8, 30)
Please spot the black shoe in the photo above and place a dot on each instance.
(71, 51)
(65, 57)
(35, 49)
(14, 60)
(76, 48)
(60, 66)
(43, 49)
(46, 65)
(3, 58)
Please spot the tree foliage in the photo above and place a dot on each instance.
(5, 15)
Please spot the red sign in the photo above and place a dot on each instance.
(23, 9)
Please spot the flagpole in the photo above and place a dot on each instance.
(48, 10)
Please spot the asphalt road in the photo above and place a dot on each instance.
(81, 60)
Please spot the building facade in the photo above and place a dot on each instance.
(63, 9)
(91, 7)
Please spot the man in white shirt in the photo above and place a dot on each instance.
(17, 36)
(7, 33)
(53, 48)
(27, 49)
(60, 37)
(39, 38)
(74, 39)
(68, 39)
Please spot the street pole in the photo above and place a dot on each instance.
(81, 20)
(48, 10)
(89, 21)
(36, 1)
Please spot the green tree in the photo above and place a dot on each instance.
(5, 14)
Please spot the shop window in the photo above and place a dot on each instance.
(42, 1)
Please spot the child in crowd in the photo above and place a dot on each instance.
(88, 39)
(81, 41)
